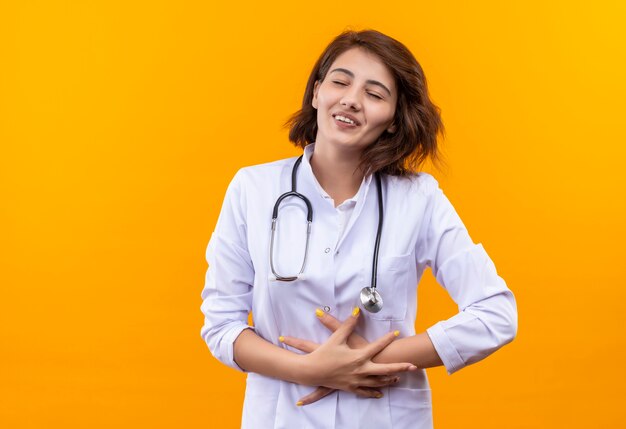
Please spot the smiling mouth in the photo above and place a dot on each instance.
(345, 120)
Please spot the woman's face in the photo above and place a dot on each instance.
(355, 102)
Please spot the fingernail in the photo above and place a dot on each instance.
(379, 395)
(356, 311)
(396, 333)
(412, 367)
(299, 403)
(318, 312)
(281, 339)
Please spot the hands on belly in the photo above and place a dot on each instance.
(344, 361)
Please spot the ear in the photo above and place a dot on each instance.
(316, 88)
(392, 128)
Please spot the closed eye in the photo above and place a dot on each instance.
(339, 82)
(375, 95)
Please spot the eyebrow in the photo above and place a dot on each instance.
(370, 81)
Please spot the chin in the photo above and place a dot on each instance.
(351, 145)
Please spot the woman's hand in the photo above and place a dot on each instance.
(336, 365)
(355, 341)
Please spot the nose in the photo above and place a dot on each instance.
(350, 99)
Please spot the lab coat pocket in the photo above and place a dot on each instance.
(411, 408)
(260, 401)
(394, 278)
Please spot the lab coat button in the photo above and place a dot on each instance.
(327, 309)
(327, 250)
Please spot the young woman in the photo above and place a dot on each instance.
(326, 251)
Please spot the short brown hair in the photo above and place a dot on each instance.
(418, 120)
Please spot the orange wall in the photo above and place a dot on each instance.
(121, 123)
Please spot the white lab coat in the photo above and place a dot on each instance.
(421, 229)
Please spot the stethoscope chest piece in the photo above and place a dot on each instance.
(371, 299)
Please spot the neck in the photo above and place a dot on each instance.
(337, 172)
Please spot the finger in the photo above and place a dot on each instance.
(377, 346)
(330, 322)
(355, 341)
(379, 381)
(387, 368)
(346, 328)
(368, 393)
(302, 345)
(316, 395)
(327, 320)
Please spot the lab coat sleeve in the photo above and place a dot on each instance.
(487, 317)
(227, 293)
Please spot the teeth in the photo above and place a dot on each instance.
(344, 119)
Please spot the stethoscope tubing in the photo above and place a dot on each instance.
(370, 292)
(379, 231)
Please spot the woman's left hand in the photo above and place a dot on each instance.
(355, 341)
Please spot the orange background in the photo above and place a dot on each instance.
(121, 124)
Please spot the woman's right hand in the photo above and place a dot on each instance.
(335, 365)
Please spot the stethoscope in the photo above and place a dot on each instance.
(369, 296)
